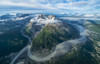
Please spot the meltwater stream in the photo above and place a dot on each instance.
(61, 48)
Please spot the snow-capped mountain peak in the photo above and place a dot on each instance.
(44, 19)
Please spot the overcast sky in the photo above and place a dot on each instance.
(61, 6)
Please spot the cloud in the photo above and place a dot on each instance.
(54, 4)
(30, 3)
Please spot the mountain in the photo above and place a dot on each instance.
(7, 16)
(57, 41)
(46, 31)
(47, 39)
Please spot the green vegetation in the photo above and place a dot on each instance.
(11, 41)
(79, 55)
(93, 26)
(88, 53)
(52, 35)
(27, 29)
